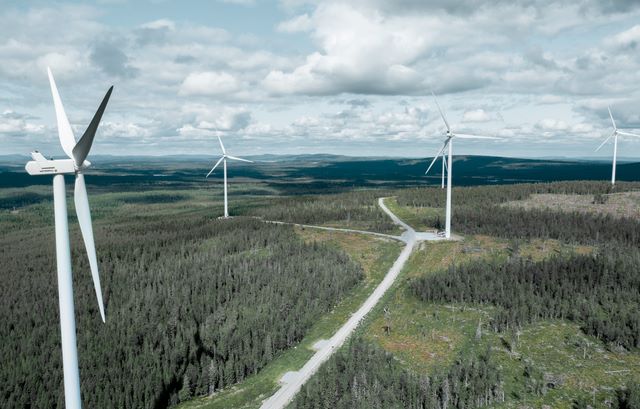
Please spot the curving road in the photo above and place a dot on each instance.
(294, 380)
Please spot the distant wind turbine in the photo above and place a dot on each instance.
(444, 167)
(614, 135)
(448, 163)
(223, 159)
(75, 165)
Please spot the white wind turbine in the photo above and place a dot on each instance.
(448, 162)
(444, 167)
(614, 135)
(223, 159)
(75, 165)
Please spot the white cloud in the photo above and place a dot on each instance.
(160, 24)
(209, 83)
(627, 39)
(542, 64)
(301, 23)
(476, 115)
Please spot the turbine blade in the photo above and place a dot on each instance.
(215, 166)
(441, 113)
(82, 148)
(435, 158)
(444, 160)
(224, 152)
(84, 219)
(236, 158)
(605, 141)
(611, 116)
(628, 133)
(469, 136)
(65, 133)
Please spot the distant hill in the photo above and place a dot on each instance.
(322, 172)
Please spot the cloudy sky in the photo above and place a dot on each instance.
(297, 76)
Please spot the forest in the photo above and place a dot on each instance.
(598, 291)
(193, 304)
(479, 210)
(363, 376)
(196, 304)
(357, 209)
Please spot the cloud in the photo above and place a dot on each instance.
(551, 67)
(209, 83)
(14, 124)
(361, 52)
(301, 23)
(476, 115)
(154, 32)
(628, 39)
(239, 2)
(112, 60)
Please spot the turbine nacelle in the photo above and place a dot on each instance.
(43, 166)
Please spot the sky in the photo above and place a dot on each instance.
(343, 77)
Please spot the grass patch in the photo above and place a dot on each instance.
(428, 338)
(420, 218)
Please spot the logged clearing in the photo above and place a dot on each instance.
(625, 204)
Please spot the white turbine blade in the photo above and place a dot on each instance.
(469, 136)
(236, 158)
(84, 219)
(444, 160)
(435, 158)
(441, 113)
(628, 134)
(82, 148)
(215, 166)
(224, 152)
(67, 140)
(611, 116)
(605, 141)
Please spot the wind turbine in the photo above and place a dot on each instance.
(448, 162)
(444, 167)
(223, 159)
(75, 165)
(614, 135)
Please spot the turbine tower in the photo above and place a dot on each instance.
(614, 135)
(448, 162)
(223, 159)
(444, 167)
(75, 165)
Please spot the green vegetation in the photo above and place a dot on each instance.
(361, 375)
(480, 210)
(552, 294)
(355, 210)
(598, 291)
(375, 256)
(537, 306)
(194, 304)
(479, 195)
(420, 218)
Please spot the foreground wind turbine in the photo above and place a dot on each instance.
(223, 159)
(448, 163)
(614, 135)
(75, 165)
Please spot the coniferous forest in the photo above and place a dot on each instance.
(598, 291)
(362, 376)
(193, 304)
